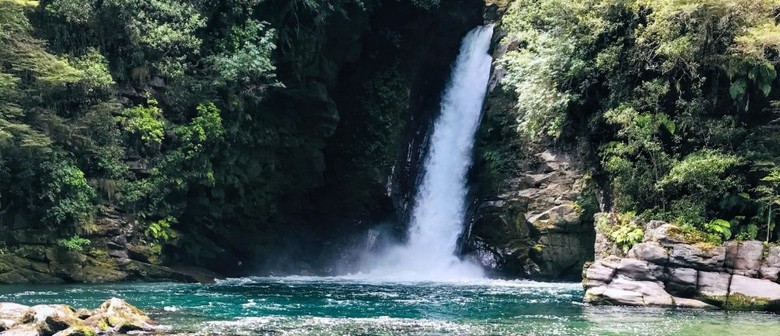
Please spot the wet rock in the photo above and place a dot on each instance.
(691, 303)
(713, 287)
(601, 272)
(51, 319)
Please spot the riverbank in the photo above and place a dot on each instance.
(668, 269)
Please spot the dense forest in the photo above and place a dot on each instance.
(210, 126)
(671, 105)
(256, 126)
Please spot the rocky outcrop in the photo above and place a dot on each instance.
(113, 317)
(527, 217)
(535, 227)
(115, 253)
(668, 271)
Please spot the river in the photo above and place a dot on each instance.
(355, 306)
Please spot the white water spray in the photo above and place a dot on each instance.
(439, 210)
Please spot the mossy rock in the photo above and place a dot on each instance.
(739, 301)
(77, 331)
(32, 252)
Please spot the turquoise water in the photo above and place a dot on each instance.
(333, 306)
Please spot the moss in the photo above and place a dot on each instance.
(687, 235)
(740, 301)
(80, 331)
(715, 300)
(103, 325)
(705, 246)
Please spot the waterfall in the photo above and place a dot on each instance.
(439, 209)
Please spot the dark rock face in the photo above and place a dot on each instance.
(663, 270)
(533, 227)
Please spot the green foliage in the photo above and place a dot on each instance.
(622, 229)
(247, 60)
(146, 122)
(161, 230)
(75, 243)
(676, 98)
(73, 11)
(720, 227)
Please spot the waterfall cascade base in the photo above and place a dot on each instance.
(339, 306)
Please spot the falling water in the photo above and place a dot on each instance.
(439, 211)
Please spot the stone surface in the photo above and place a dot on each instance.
(682, 281)
(623, 291)
(11, 314)
(744, 257)
(117, 315)
(650, 251)
(662, 233)
(530, 224)
(770, 268)
(758, 290)
(713, 285)
(640, 270)
(708, 258)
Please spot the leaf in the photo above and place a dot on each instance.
(738, 89)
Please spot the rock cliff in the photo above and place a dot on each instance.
(667, 269)
(531, 214)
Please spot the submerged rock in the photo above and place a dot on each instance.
(114, 316)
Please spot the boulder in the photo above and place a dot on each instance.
(640, 270)
(713, 286)
(770, 268)
(601, 272)
(622, 291)
(744, 257)
(650, 251)
(77, 331)
(699, 256)
(662, 233)
(682, 281)
(51, 319)
(752, 294)
(11, 314)
(691, 303)
(119, 316)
